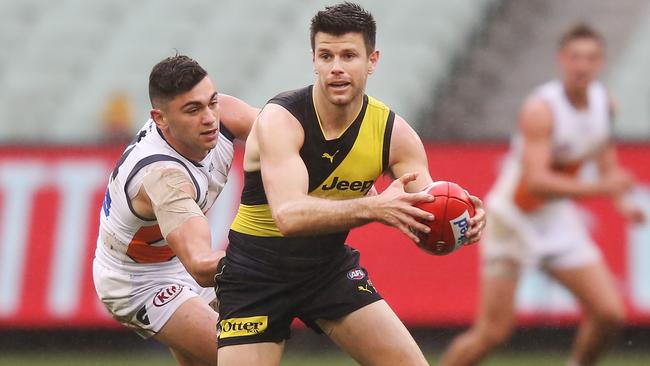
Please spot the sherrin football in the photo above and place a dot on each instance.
(452, 209)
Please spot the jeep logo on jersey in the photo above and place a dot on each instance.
(356, 274)
(166, 295)
(344, 185)
(242, 327)
(460, 225)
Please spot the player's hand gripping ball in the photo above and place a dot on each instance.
(452, 209)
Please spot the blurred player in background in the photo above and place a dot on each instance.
(154, 255)
(312, 156)
(533, 221)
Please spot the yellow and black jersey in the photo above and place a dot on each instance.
(341, 168)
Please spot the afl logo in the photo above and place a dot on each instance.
(166, 295)
(356, 274)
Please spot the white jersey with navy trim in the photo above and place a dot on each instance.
(131, 239)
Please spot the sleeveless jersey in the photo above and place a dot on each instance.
(133, 239)
(341, 168)
(577, 134)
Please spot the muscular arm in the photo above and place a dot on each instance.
(536, 123)
(236, 115)
(169, 194)
(280, 137)
(191, 242)
(407, 154)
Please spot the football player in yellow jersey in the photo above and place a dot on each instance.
(312, 157)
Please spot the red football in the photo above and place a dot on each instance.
(452, 209)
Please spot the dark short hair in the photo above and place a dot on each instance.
(173, 76)
(344, 18)
(580, 31)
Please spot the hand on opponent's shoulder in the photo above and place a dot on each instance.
(237, 115)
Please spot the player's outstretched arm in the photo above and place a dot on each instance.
(536, 124)
(237, 115)
(280, 137)
(407, 154)
(181, 221)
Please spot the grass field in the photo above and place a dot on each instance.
(79, 359)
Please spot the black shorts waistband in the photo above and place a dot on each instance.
(299, 251)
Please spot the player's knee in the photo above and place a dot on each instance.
(611, 317)
(186, 359)
(497, 334)
(408, 356)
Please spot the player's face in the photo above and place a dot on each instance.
(342, 66)
(580, 62)
(190, 121)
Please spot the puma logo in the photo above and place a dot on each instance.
(362, 288)
(330, 157)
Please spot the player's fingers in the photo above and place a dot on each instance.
(417, 213)
(407, 219)
(478, 219)
(474, 234)
(477, 223)
(473, 239)
(419, 227)
(410, 232)
(475, 229)
(414, 198)
(478, 204)
(407, 178)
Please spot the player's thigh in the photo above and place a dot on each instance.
(252, 354)
(374, 335)
(192, 331)
(594, 286)
(498, 286)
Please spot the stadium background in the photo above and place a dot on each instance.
(73, 89)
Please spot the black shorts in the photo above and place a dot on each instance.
(261, 291)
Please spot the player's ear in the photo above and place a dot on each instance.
(158, 117)
(373, 58)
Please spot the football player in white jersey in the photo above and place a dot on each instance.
(562, 125)
(154, 266)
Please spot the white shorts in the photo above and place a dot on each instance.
(554, 237)
(144, 302)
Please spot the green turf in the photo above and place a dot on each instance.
(333, 359)
(534, 359)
